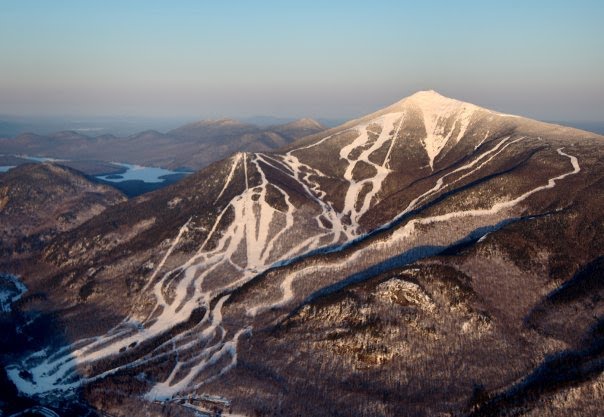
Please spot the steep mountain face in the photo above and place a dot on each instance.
(38, 201)
(195, 145)
(407, 262)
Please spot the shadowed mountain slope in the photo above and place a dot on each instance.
(38, 201)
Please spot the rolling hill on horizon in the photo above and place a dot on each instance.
(193, 146)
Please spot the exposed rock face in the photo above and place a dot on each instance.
(404, 263)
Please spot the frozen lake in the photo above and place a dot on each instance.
(138, 172)
(149, 175)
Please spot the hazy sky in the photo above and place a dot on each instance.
(543, 59)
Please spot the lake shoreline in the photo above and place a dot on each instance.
(131, 179)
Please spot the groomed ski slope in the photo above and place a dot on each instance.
(261, 237)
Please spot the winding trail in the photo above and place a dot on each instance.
(261, 237)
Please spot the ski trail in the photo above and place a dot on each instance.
(403, 234)
(260, 235)
(497, 207)
(386, 162)
(175, 242)
(356, 204)
(247, 184)
(179, 291)
(236, 159)
(320, 142)
(313, 190)
(441, 185)
(482, 141)
(435, 115)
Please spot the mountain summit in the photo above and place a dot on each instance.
(304, 123)
(403, 263)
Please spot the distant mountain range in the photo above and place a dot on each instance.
(433, 258)
(596, 127)
(12, 126)
(193, 146)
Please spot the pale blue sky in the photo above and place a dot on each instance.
(543, 59)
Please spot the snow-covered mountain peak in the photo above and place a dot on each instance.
(436, 104)
(428, 95)
(444, 119)
(429, 101)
